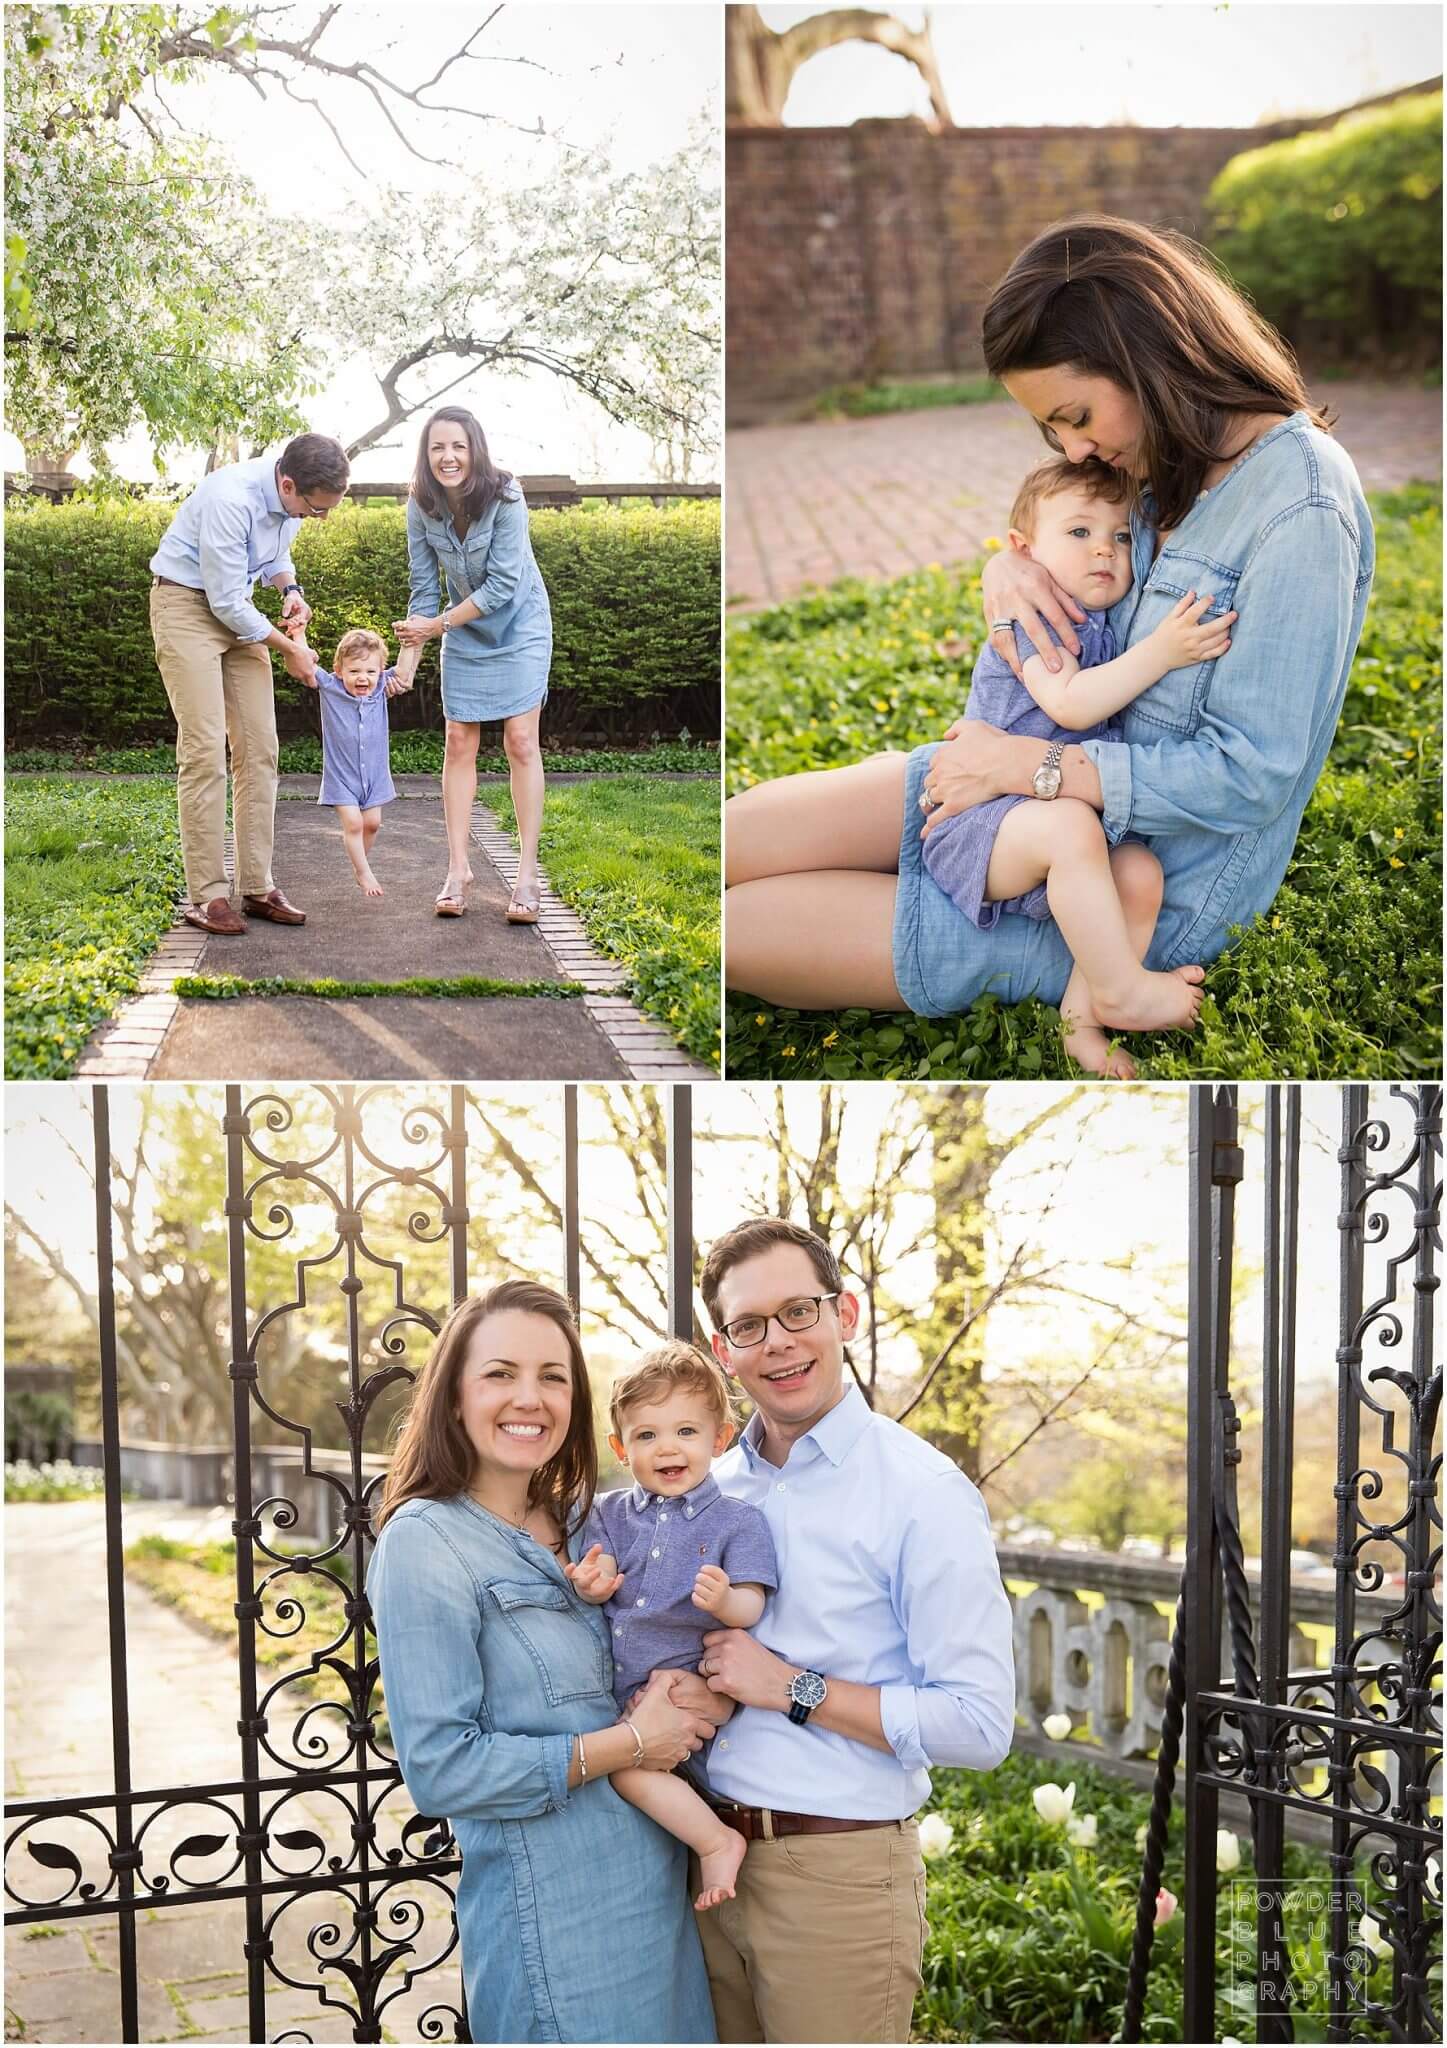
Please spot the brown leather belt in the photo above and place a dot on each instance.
(763, 1824)
(171, 584)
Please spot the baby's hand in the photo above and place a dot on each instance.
(710, 1587)
(1184, 636)
(595, 1576)
(396, 687)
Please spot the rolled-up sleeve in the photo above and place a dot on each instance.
(428, 1608)
(506, 555)
(222, 531)
(424, 599)
(1265, 700)
(953, 1609)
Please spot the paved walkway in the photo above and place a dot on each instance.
(64, 1985)
(807, 504)
(594, 1036)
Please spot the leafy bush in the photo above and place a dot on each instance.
(54, 1480)
(867, 401)
(1337, 234)
(1342, 976)
(634, 595)
(38, 1427)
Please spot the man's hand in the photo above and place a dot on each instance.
(300, 661)
(735, 1664)
(710, 1587)
(595, 1576)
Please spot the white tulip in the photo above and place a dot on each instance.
(1228, 1852)
(1434, 1878)
(1082, 1831)
(1053, 1803)
(935, 1836)
(1056, 1726)
(1370, 1935)
(1140, 1836)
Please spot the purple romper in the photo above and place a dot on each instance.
(355, 765)
(957, 853)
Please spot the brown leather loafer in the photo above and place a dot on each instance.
(274, 908)
(217, 917)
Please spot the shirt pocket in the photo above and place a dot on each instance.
(1176, 701)
(569, 1654)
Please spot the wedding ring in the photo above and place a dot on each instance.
(927, 802)
(1001, 625)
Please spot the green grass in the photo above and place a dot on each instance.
(92, 873)
(638, 860)
(1341, 977)
(221, 988)
(866, 401)
(412, 753)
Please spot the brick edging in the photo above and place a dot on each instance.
(646, 1048)
(126, 1046)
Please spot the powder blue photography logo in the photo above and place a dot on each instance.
(1280, 1941)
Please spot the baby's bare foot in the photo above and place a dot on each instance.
(1090, 1048)
(1151, 1002)
(367, 882)
(718, 1869)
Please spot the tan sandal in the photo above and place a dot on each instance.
(449, 906)
(522, 910)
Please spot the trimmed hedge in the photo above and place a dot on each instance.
(1337, 234)
(634, 595)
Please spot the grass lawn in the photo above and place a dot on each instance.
(1341, 977)
(868, 401)
(412, 753)
(638, 860)
(92, 871)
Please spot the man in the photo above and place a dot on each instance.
(213, 651)
(886, 1650)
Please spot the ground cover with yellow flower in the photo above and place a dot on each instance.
(1341, 977)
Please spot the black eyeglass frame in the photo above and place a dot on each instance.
(775, 1316)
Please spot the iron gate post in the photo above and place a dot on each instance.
(680, 1211)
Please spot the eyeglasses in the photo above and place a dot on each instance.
(315, 511)
(802, 1314)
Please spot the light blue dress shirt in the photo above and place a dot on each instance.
(1216, 762)
(231, 532)
(887, 1576)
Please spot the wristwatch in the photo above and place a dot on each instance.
(288, 588)
(806, 1692)
(1046, 780)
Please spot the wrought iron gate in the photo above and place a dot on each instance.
(366, 1871)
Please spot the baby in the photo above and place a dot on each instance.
(356, 777)
(1050, 858)
(670, 1558)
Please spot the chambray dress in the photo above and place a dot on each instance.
(572, 1907)
(957, 853)
(496, 666)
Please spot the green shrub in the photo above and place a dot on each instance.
(634, 595)
(1337, 234)
(38, 1427)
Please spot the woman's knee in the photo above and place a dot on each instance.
(520, 742)
(461, 741)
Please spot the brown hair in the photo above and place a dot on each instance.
(434, 1457)
(1052, 479)
(747, 1240)
(315, 462)
(360, 640)
(674, 1366)
(486, 483)
(1149, 310)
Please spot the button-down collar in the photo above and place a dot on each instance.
(691, 1502)
(834, 1434)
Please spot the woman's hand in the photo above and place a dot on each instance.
(968, 769)
(668, 1733)
(412, 631)
(1015, 588)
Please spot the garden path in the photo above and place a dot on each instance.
(349, 938)
(183, 1705)
(810, 502)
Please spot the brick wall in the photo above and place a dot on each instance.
(870, 251)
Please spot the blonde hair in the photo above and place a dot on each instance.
(1052, 479)
(674, 1367)
(360, 640)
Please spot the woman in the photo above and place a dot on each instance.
(1125, 344)
(467, 522)
(572, 1910)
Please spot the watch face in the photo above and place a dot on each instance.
(1047, 782)
(807, 1690)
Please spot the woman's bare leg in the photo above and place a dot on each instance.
(459, 793)
(830, 818)
(525, 775)
(817, 941)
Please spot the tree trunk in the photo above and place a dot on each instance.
(760, 64)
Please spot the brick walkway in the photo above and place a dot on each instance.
(807, 504)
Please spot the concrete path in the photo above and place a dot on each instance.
(63, 1985)
(807, 504)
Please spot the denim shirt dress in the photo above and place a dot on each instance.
(572, 1908)
(496, 666)
(1216, 762)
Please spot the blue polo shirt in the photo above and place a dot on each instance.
(662, 1542)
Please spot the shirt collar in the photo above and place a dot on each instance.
(270, 492)
(835, 1434)
(692, 1502)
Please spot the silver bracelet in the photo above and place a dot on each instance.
(637, 1743)
(582, 1763)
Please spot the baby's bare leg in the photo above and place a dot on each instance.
(371, 819)
(1139, 884)
(674, 1804)
(357, 843)
(1063, 843)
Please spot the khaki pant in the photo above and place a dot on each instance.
(824, 1940)
(220, 688)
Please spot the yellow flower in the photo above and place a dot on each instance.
(760, 1018)
(1399, 833)
(1414, 683)
(787, 1053)
(1276, 924)
(993, 543)
(881, 703)
(831, 1038)
(1395, 863)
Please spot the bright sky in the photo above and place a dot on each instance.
(628, 80)
(1161, 66)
